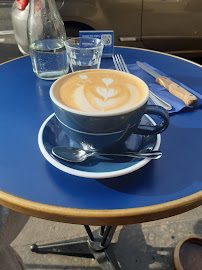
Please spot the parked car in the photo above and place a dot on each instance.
(173, 26)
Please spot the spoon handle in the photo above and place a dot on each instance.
(152, 155)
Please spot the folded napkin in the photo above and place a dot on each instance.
(161, 91)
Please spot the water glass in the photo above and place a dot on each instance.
(84, 53)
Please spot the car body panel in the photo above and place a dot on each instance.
(107, 15)
(173, 26)
(6, 2)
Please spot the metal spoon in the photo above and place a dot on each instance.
(78, 155)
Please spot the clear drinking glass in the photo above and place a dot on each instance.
(46, 36)
(84, 53)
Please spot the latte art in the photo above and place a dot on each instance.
(101, 91)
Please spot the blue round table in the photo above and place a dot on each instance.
(29, 184)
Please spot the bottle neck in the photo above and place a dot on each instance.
(44, 21)
(38, 5)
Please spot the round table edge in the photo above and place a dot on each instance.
(101, 217)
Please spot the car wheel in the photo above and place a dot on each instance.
(73, 28)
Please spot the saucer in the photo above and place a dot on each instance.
(51, 135)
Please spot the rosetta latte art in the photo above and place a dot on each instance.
(101, 91)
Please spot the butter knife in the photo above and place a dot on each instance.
(174, 88)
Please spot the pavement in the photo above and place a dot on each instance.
(142, 246)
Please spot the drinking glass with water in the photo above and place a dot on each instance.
(46, 36)
(84, 53)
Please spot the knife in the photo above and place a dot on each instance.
(174, 88)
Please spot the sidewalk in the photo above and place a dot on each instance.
(141, 246)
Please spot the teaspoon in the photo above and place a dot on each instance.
(78, 155)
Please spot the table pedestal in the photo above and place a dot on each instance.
(93, 246)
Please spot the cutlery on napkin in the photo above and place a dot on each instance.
(177, 104)
(174, 88)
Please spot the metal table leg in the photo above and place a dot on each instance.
(93, 246)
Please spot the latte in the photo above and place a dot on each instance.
(100, 91)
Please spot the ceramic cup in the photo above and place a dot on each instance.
(103, 129)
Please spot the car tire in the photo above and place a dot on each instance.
(73, 28)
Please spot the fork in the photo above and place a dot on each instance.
(120, 65)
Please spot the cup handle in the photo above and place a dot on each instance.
(152, 130)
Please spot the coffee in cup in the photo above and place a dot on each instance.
(101, 108)
(100, 92)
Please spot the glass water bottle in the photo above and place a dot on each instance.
(46, 36)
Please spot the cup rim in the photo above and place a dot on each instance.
(98, 114)
(101, 45)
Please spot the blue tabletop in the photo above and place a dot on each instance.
(25, 173)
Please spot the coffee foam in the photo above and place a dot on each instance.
(100, 91)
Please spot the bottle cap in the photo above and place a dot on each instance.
(21, 4)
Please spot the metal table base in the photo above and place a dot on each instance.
(93, 246)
